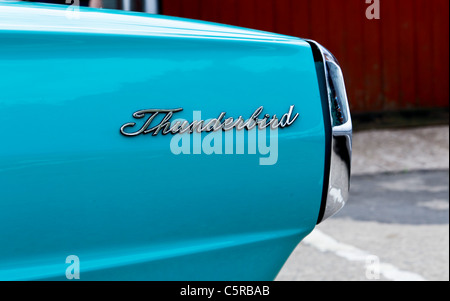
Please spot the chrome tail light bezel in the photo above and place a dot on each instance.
(339, 131)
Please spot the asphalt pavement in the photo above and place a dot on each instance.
(395, 225)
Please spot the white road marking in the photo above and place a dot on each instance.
(325, 243)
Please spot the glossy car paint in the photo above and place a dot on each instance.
(71, 184)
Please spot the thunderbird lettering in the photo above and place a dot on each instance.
(166, 127)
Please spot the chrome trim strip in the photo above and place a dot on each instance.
(151, 6)
(341, 131)
(126, 5)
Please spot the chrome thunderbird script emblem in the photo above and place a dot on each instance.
(165, 126)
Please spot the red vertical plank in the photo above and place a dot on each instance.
(424, 72)
(440, 56)
(339, 25)
(407, 47)
(282, 17)
(300, 18)
(229, 12)
(319, 21)
(336, 28)
(172, 8)
(190, 9)
(264, 15)
(353, 65)
(209, 10)
(247, 13)
(390, 53)
(372, 63)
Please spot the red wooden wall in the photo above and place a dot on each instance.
(400, 61)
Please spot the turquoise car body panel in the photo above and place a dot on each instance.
(130, 209)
